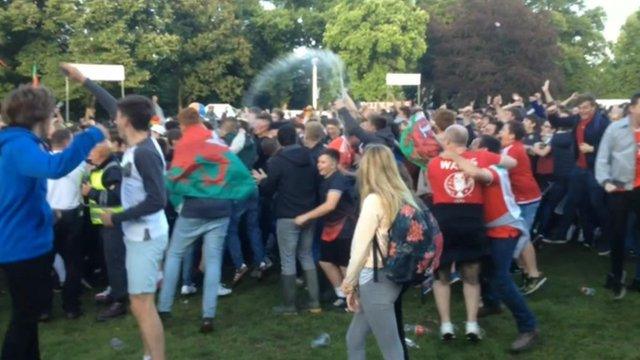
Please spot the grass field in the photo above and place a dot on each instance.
(573, 326)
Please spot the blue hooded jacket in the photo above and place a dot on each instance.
(26, 220)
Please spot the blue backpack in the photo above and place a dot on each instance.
(415, 246)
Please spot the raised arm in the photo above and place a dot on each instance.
(108, 102)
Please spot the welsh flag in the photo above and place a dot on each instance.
(35, 81)
(204, 168)
(418, 142)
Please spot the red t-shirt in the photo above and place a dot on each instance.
(524, 185)
(544, 166)
(637, 182)
(499, 201)
(582, 159)
(451, 186)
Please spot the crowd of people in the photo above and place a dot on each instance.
(349, 190)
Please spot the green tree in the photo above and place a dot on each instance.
(133, 33)
(213, 58)
(375, 37)
(625, 68)
(273, 33)
(580, 38)
(34, 34)
(475, 55)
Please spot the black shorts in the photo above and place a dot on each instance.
(336, 252)
(463, 232)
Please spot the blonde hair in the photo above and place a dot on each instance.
(378, 174)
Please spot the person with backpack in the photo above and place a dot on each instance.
(458, 208)
(379, 266)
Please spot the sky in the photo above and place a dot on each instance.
(617, 13)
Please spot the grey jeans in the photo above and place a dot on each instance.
(295, 241)
(376, 315)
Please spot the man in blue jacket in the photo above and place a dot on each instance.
(26, 220)
(584, 194)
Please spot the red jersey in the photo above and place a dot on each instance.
(637, 182)
(451, 186)
(499, 202)
(524, 185)
(582, 159)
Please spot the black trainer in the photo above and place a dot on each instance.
(635, 285)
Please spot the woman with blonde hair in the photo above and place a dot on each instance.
(382, 194)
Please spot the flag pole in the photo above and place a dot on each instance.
(66, 91)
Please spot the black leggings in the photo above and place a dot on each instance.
(397, 306)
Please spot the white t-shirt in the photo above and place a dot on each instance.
(65, 193)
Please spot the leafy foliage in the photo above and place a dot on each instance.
(625, 69)
(372, 40)
(477, 55)
(582, 44)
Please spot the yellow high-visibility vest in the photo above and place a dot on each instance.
(95, 209)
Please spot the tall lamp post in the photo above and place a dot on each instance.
(314, 83)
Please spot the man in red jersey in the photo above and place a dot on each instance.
(505, 229)
(527, 195)
(458, 208)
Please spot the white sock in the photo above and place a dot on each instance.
(146, 357)
(446, 326)
(472, 326)
(58, 266)
(339, 292)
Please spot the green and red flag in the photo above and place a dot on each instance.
(203, 167)
(418, 141)
(35, 81)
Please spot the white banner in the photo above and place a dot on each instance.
(397, 79)
(101, 72)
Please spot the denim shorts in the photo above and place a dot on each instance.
(143, 262)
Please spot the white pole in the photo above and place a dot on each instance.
(314, 86)
(66, 91)
(122, 88)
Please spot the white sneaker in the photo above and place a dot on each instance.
(223, 291)
(473, 331)
(446, 331)
(188, 290)
(102, 296)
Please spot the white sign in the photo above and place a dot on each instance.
(101, 72)
(396, 79)
(611, 102)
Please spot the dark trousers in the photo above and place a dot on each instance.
(29, 284)
(552, 198)
(587, 197)
(68, 243)
(498, 286)
(114, 256)
(620, 206)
